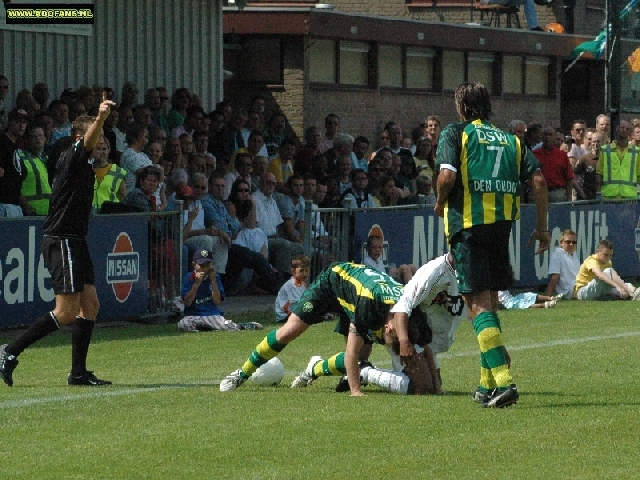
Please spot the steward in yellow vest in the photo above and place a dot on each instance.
(35, 187)
(618, 169)
(109, 183)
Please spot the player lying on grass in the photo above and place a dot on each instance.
(362, 293)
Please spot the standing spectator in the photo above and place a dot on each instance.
(274, 136)
(331, 129)
(191, 123)
(142, 114)
(133, 158)
(12, 173)
(35, 187)
(304, 158)
(201, 141)
(480, 243)
(618, 169)
(586, 166)
(64, 238)
(563, 266)
(186, 144)
(578, 129)
(110, 178)
(533, 135)
(518, 128)
(433, 125)
(603, 126)
(383, 142)
(395, 142)
(555, 168)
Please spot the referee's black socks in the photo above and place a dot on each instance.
(42, 327)
(80, 339)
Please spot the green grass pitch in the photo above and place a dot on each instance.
(576, 367)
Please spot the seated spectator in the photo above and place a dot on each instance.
(282, 165)
(424, 191)
(195, 231)
(423, 158)
(564, 265)
(124, 119)
(359, 157)
(191, 123)
(241, 256)
(344, 173)
(186, 144)
(291, 208)
(293, 288)
(598, 280)
(142, 196)
(202, 292)
(357, 196)
(406, 177)
(109, 183)
(255, 146)
(281, 250)
(342, 145)
(260, 167)
(61, 124)
(387, 192)
(180, 102)
(242, 170)
(373, 259)
(525, 300)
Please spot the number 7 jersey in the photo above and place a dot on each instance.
(490, 165)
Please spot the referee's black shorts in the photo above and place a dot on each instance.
(69, 263)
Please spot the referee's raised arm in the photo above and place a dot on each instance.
(94, 132)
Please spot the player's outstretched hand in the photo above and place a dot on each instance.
(542, 237)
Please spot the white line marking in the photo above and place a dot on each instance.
(107, 392)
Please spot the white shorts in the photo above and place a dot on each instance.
(192, 323)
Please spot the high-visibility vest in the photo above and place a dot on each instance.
(35, 188)
(619, 178)
(107, 189)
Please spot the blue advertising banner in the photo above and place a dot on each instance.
(417, 235)
(119, 251)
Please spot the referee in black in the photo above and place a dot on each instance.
(66, 254)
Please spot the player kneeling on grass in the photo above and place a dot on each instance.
(416, 376)
(202, 292)
(365, 296)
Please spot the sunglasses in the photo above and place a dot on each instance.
(571, 242)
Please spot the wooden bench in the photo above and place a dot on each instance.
(495, 11)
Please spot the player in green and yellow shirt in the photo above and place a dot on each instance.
(363, 294)
(480, 173)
